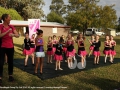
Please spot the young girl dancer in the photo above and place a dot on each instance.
(70, 50)
(81, 49)
(54, 43)
(33, 43)
(107, 51)
(49, 50)
(39, 51)
(58, 54)
(74, 49)
(113, 44)
(91, 42)
(32, 46)
(27, 49)
(64, 48)
(96, 51)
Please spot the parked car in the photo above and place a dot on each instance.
(74, 32)
(118, 33)
(99, 33)
(91, 31)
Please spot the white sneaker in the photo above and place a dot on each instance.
(65, 60)
(74, 58)
(60, 69)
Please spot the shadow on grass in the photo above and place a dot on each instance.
(17, 53)
(18, 45)
(102, 83)
(49, 69)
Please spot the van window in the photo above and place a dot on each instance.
(89, 29)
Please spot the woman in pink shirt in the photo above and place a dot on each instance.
(7, 32)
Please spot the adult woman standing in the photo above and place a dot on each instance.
(7, 31)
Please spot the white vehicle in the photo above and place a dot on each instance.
(91, 31)
(99, 33)
(118, 33)
(75, 32)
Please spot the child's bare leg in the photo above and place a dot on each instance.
(90, 53)
(32, 55)
(41, 65)
(36, 64)
(106, 58)
(97, 59)
(26, 59)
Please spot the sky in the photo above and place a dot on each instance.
(102, 2)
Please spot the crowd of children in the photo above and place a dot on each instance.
(61, 48)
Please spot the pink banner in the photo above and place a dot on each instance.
(33, 24)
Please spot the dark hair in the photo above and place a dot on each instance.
(111, 36)
(26, 33)
(61, 40)
(39, 31)
(54, 36)
(4, 16)
(50, 37)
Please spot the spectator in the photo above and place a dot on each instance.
(7, 32)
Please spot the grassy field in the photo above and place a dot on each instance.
(102, 78)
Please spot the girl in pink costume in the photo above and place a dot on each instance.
(91, 42)
(107, 50)
(70, 50)
(81, 50)
(96, 51)
(49, 50)
(113, 44)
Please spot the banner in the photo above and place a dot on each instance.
(33, 24)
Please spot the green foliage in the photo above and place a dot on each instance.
(26, 8)
(13, 13)
(58, 7)
(54, 17)
(108, 17)
(86, 13)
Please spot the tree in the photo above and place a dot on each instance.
(86, 13)
(26, 8)
(108, 17)
(53, 17)
(58, 7)
(13, 13)
(118, 25)
(83, 9)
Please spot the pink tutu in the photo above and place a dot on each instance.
(53, 49)
(113, 52)
(58, 57)
(27, 52)
(91, 48)
(96, 53)
(70, 54)
(49, 52)
(107, 52)
(32, 50)
(64, 49)
(74, 51)
(82, 53)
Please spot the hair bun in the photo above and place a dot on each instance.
(39, 31)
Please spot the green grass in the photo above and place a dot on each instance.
(102, 78)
